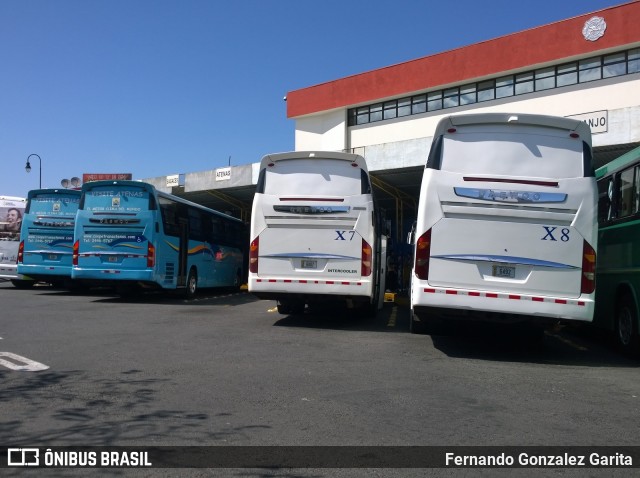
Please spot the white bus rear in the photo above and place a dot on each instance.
(315, 233)
(506, 226)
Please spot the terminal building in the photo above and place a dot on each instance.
(586, 67)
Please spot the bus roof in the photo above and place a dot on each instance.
(311, 155)
(618, 163)
(567, 124)
(72, 192)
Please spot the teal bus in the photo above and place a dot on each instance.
(618, 266)
(131, 236)
(46, 244)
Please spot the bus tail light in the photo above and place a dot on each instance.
(253, 255)
(423, 253)
(151, 255)
(76, 248)
(366, 258)
(588, 269)
(21, 252)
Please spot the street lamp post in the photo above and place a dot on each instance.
(27, 168)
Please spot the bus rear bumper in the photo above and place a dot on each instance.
(307, 289)
(45, 273)
(112, 275)
(500, 307)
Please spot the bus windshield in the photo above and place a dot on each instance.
(54, 204)
(120, 199)
(529, 155)
(324, 176)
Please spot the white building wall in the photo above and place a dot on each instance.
(404, 142)
(323, 132)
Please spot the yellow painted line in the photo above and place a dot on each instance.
(569, 342)
(393, 317)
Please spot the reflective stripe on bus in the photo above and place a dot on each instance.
(302, 281)
(494, 295)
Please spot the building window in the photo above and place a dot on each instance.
(524, 83)
(375, 113)
(545, 79)
(363, 115)
(567, 74)
(404, 107)
(614, 65)
(434, 101)
(486, 90)
(468, 94)
(504, 87)
(634, 61)
(418, 104)
(451, 98)
(589, 69)
(390, 110)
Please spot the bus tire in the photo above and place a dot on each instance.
(22, 284)
(192, 284)
(415, 325)
(626, 329)
(284, 308)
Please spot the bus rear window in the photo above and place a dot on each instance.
(508, 154)
(313, 177)
(116, 199)
(54, 204)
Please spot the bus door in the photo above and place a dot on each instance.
(183, 253)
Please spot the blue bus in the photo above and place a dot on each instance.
(132, 236)
(46, 247)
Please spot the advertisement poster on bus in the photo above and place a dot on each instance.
(11, 212)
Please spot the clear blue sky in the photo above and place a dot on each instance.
(159, 87)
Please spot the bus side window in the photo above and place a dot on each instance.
(169, 218)
(605, 204)
(195, 225)
(636, 190)
(626, 186)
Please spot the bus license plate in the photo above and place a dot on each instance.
(309, 264)
(504, 271)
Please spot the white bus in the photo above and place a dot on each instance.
(506, 226)
(315, 233)
(11, 213)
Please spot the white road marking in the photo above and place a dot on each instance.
(23, 364)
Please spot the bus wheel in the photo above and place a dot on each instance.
(22, 284)
(192, 284)
(284, 307)
(415, 325)
(627, 327)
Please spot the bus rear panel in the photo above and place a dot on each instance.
(115, 231)
(314, 232)
(506, 225)
(46, 248)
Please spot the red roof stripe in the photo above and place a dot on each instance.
(527, 49)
